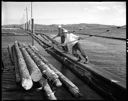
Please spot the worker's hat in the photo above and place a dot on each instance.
(59, 26)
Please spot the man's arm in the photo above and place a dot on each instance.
(55, 36)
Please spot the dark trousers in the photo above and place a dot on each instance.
(65, 48)
(2, 68)
(76, 47)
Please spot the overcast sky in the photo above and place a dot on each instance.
(108, 13)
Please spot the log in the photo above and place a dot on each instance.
(53, 41)
(67, 55)
(10, 54)
(26, 80)
(34, 71)
(40, 41)
(46, 71)
(48, 91)
(71, 87)
(44, 37)
(15, 64)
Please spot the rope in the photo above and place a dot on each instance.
(95, 34)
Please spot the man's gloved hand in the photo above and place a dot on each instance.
(49, 47)
(62, 45)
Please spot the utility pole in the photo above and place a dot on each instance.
(29, 24)
(32, 25)
(25, 26)
(26, 18)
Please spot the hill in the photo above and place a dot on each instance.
(82, 28)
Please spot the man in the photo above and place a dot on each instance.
(61, 34)
(72, 41)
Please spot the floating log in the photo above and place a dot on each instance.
(50, 74)
(32, 67)
(26, 80)
(49, 93)
(72, 87)
(15, 64)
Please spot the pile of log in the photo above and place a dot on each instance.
(31, 66)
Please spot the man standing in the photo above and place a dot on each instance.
(72, 41)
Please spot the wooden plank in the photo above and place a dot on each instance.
(26, 80)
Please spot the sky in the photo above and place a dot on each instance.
(107, 13)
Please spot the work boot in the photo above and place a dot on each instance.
(77, 56)
(86, 60)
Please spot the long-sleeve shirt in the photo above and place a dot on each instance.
(71, 40)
